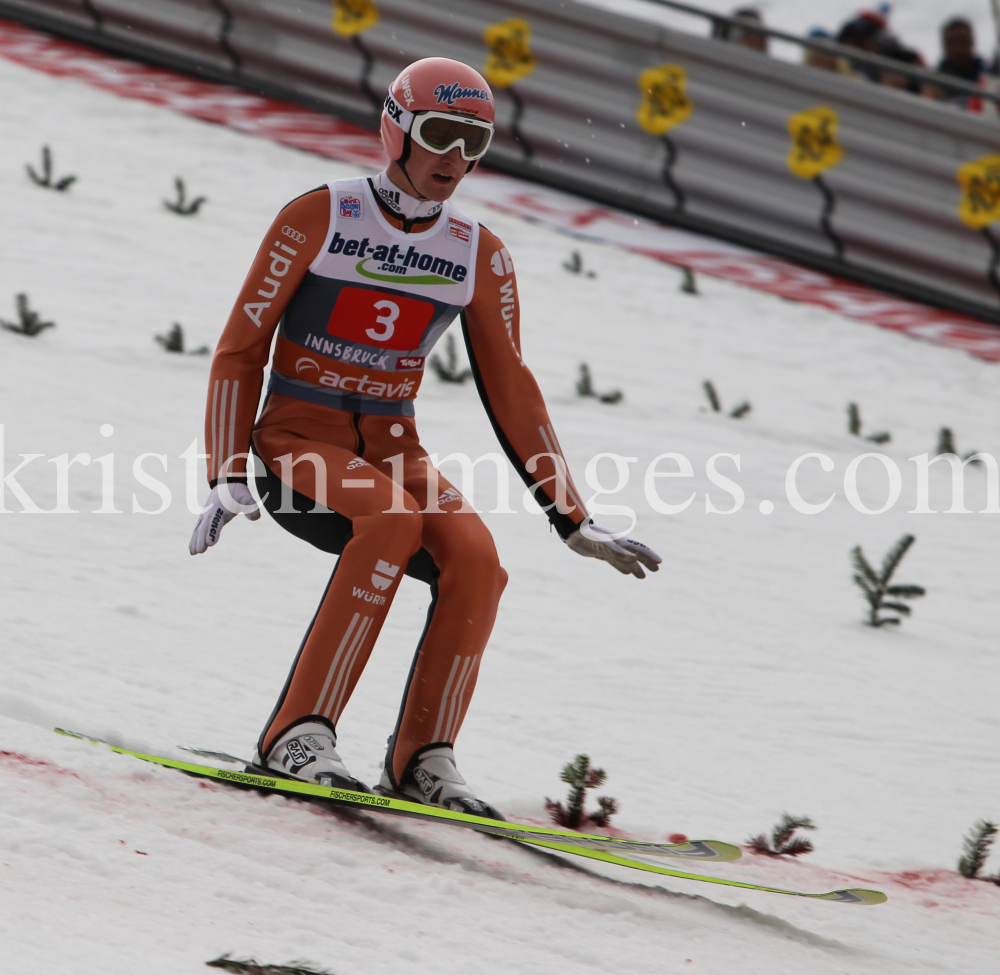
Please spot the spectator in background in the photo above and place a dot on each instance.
(744, 36)
(890, 47)
(825, 60)
(958, 42)
(959, 45)
(867, 32)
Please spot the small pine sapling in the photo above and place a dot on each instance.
(854, 426)
(975, 849)
(45, 179)
(875, 585)
(608, 807)
(181, 205)
(173, 341)
(580, 777)
(585, 387)
(853, 420)
(688, 284)
(713, 401)
(448, 372)
(575, 265)
(946, 445)
(253, 967)
(783, 842)
(29, 323)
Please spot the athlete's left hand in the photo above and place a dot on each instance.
(625, 555)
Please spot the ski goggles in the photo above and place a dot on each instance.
(440, 132)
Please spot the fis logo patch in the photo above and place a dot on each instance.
(350, 206)
(384, 574)
(459, 230)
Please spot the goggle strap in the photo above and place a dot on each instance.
(398, 115)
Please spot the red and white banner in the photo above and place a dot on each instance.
(305, 129)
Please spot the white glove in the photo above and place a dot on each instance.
(224, 503)
(624, 554)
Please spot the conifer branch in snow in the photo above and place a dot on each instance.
(181, 205)
(29, 322)
(575, 265)
(783, 841)
(580, 777)
(854, 426)
(585, 387)
(716, 404)
(173, 341)
(448, 372)
(976, 848)
(946, 445)
(45, 178)
(875, 585)
(252, 967)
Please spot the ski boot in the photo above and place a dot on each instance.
(307, 751)
(433, 779)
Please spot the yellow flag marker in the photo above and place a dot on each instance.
(510, 56)
(814, 142)
(665, 101)
(980, 183)
(352, 17)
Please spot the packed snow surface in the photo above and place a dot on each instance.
(736, 684)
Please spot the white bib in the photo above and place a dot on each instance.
(358, 330)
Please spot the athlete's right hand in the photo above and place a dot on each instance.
(224, 503)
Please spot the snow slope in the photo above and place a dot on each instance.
(736, 684)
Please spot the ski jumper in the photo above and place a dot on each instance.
(357, 303)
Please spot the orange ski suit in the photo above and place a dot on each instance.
(352, 478)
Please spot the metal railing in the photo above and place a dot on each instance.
(878, 204)
(854, 56)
